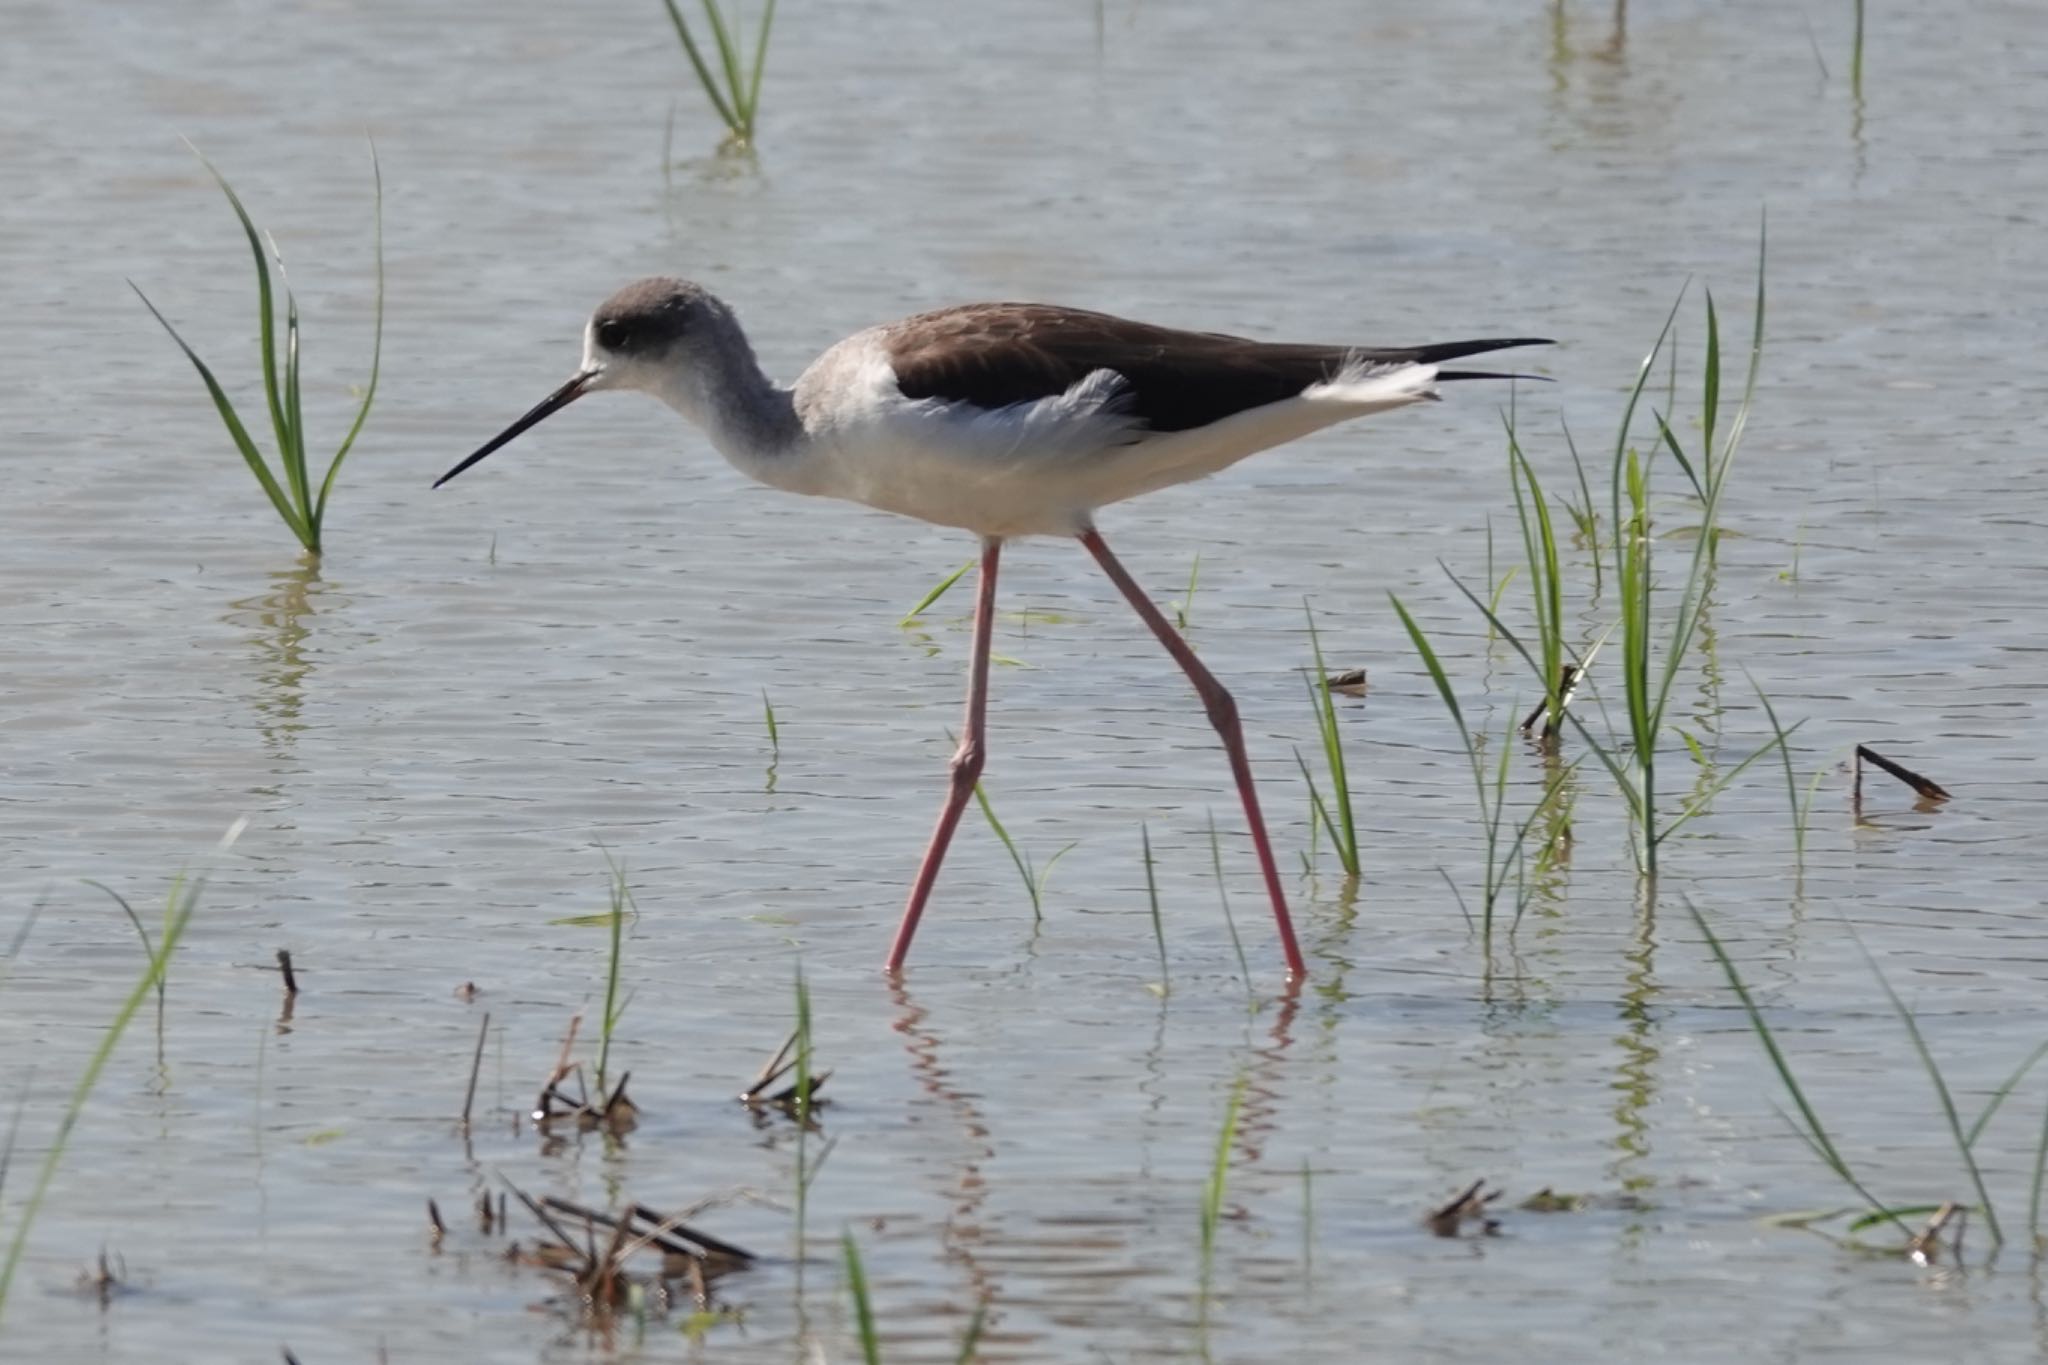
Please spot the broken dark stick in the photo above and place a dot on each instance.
(284, 967)
(1922, 787)
(1470, 1205)
(438, 1229)
(1926, 1243)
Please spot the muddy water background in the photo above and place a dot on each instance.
(432, 733)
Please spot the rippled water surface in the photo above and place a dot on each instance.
(434, 731)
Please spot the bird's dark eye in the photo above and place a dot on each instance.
(611, 334)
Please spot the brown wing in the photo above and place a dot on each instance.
(996, 354)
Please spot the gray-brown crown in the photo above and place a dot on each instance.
(649, 316)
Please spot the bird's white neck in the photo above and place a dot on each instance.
(751, 419)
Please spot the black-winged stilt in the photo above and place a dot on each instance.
(1006, 419)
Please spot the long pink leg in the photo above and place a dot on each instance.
(967, 760)
(1222, 709)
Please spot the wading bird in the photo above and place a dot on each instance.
(1005, 419)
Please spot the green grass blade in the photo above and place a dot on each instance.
(1999, 1096)
(1320, 696)
(760, 62)
(267, 320)
(970, 1340)
(1699, 803)
(1152, 895)
(1010, 845)
(704, 77)
(729, 60)
(2040, 1178)
(863, 1308)
(622, 901)
(1244, 965)
(1814, 1131)
(376, 350)
(254, 457)
(1219, 1175)
(293, 455)
(936, 593)
(1670, 439)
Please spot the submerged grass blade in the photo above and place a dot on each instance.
(1152, 895)
(1213, 1189)
(1812, 1131)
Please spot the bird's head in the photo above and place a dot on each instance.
(647, 337)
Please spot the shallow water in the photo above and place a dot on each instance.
(433, 733)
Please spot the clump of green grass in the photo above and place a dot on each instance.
(1033, 876)
(179, 906)
(1652, 660)
(1334, 816)
(734, 89)
(291, 489)
(1504, 863)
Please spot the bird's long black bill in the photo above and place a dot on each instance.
(553, 403)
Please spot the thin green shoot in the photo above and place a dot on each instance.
(303, 510)
(1244, 966)
(1811, 1131)
(936, 593)
(970, 1340)
(863, 1308)
(1856, 55)
(1213, 1188)
(182, 901)
(2040, 1172)
(1033, 878)
(1158, 923)
(1799, 810)
(2004, 1092)
(1187, 603)
(148, 948)
(774, 740)
(1585, 520)
(615, 922)
(803, 1114)
(1308, 1221)
(735, 90)
(1340, 822)
(1546, 579)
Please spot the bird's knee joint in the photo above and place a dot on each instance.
(967, 761)
(1222, 708)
